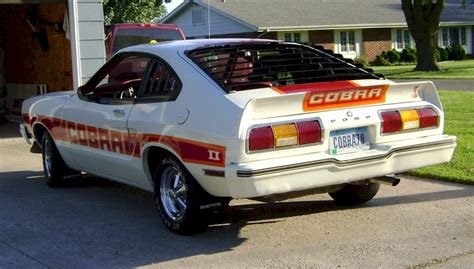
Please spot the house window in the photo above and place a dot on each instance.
(463, 36)
(453, 35)
(445, 38)
(198, 17)
(403, 39)
(347, 41)
(297, 37)
(293, 37)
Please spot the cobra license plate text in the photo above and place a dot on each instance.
(348, 141)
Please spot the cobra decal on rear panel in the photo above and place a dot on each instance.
(128, 144)
(337, 94)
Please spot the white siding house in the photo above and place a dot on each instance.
(197, 25)
(87, 42)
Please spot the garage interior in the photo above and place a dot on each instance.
(35, 53)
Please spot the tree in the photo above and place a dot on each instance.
(133, 11)
(423, 18)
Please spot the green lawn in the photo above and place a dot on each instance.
(451, 70)
(459, 110)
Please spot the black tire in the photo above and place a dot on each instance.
(55, 169)
(355, 194)
(179, 201)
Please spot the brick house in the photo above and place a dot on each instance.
(349, 27)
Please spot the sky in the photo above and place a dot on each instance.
(173, 5)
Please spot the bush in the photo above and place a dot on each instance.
(437, 55)
(456, 52)
(361, 60)
(408, 55)
(442, 53)
(380, 60)
(393, 56)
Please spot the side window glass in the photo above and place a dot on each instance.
(162, 83)
(122, 80)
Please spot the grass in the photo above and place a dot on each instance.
(459, 111)
(451, 70)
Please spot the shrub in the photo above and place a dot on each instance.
(408, 55)
(456, 52)
(393, 56)
(380, 60)
(361, 60)
(437, 55)
(443, 54)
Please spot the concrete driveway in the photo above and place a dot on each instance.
(99, 224)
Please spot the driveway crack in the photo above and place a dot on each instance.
(442, 260)
(25, 254)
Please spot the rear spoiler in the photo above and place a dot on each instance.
(314, 97)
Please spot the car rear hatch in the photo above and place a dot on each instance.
(298, 100)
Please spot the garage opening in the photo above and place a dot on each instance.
(35, 53)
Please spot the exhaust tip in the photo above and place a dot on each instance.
(386, 180)
(396, 181)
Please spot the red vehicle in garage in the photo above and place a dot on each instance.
(119, 36)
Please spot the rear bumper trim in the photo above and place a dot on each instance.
(342, 163)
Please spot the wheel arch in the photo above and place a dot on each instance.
(152, 154)
(39, 129)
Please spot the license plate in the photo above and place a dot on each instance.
(348, 141)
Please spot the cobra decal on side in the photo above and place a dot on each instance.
(128, 144)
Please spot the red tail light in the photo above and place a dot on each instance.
(428, 117)
(309, 132)
(285, 135)
(261, 138)
(391, 122)
(409, 119)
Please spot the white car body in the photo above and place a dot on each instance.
(207, 129)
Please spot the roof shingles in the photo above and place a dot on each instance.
(319, 13)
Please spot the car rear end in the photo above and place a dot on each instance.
(312, 121)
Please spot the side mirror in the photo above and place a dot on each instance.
(84, 90)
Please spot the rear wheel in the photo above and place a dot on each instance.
(178, 197)
(355, 194)
(55, 169)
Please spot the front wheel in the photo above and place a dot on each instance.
(355, 194)
(55, 169)
(178, 197)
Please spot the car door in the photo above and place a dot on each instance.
(97, 116)
(156, 112)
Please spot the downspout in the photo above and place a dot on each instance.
(75, 46)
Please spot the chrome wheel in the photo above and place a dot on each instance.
(48, 158)
(173, 193)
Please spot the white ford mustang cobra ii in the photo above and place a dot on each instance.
(199, 122)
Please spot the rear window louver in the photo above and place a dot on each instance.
(238, 67)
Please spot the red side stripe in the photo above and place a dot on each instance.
(122, 143)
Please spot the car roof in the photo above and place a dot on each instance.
(144, 25)
(190, 44)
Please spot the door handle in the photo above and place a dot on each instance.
(119, 113)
